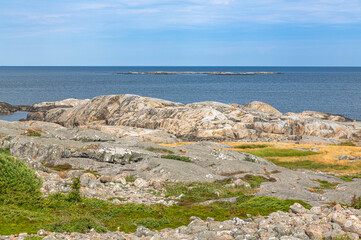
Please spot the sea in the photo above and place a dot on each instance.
(335, 90)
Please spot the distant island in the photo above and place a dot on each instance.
(207, 73)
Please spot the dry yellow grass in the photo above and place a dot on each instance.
(328, 154)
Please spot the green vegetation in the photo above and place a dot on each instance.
(22, 209)
(244, 146)
(350, 144)
(349, 178)
(160, 150)
(199, 192)
(130, 178)
(18, 183)
(309, 165)
(356, 202)
(274, 152)
(324, 184)
(34, 134)
(255, 181)
(176, 157)
(248, 159)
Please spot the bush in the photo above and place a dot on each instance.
(18, 183)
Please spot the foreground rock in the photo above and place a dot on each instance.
(298, 223)
(51, 146)
(206, 120)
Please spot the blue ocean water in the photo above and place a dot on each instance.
(334, 90)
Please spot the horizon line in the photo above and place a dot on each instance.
(176, 66)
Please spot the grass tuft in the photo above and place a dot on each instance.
(252, 146)
(160, 150)
(176, 157)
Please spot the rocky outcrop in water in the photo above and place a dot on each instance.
(6, 108)
(205, 120)
(205, 73)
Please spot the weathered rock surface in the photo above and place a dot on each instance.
(317, 223)
(208, 120)
(93, 150)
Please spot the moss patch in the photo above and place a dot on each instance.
(176, 157)
(160, 150)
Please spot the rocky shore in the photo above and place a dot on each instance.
(112, 145)
(121, 115)
(299, 223)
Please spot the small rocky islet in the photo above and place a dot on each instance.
(127, 148)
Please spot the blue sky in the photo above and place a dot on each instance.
(169, 32)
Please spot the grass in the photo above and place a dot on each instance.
(160, 150)
(256, 181)
(356, 202)
(309, 165)
(325, 184)
(130, 179)
(33, 132)
(274, 152)
(349, 144)
(248, 159)
(349, 178)
(176, 157)
(325, 159)
(22, 209)
(251, 146)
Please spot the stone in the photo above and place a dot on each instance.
(42, 233)
(298, 208)
(105, 179)
(141, 183)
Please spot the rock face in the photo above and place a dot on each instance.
(109, 156)
(6, 108)
(206, 120)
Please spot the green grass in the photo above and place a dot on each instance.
(309, 165)
(350, 144)
(356, 202)
(176, 157)
(34, 134)
(255, 181)
(160, 150)
(349, 178)
(71, 213)
(199, 192)
(244, 146)
(248, 159)
(130, 179)
(325, 185)
(274, 152)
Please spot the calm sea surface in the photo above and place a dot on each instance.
(327, 89)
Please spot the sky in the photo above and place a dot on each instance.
(180, 33)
